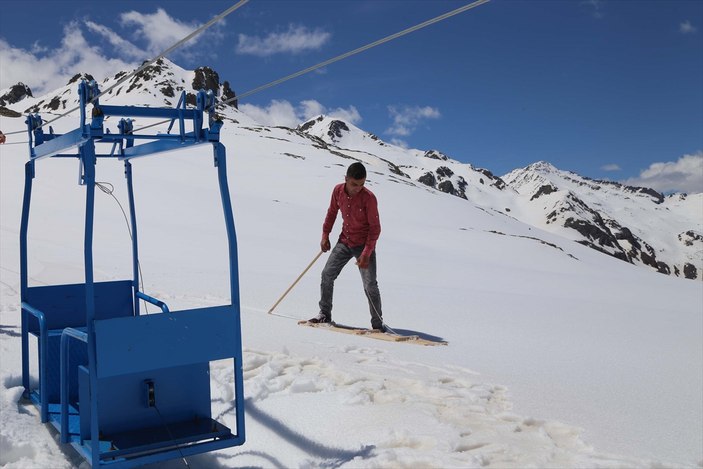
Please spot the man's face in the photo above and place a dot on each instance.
(353, 186)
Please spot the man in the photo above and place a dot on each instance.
(361, 228)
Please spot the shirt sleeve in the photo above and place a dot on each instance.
(374, 225)
(331, 214)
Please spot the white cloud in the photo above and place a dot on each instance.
(158, 29)
(687, 28)
(683, 175)
(311, 108)
(44, 69)
(611, 167)
(407, 118)
(277, 113)
(283, 113)
(125, 47)
(351, 114)
(295, 40)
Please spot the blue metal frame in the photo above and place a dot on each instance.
(91, 391)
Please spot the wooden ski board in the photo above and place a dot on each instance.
(335, 327)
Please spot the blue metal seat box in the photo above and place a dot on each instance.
(125, 388)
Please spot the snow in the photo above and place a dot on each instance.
(640, 212)
(558, 356)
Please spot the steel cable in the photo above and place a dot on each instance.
(345, 55)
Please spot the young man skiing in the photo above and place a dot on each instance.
(361, 228)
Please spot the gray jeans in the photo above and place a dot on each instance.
(339, 257)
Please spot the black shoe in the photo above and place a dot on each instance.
(381, 328)
(321, 318)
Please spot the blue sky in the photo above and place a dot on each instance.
(609, 89)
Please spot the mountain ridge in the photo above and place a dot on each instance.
(635, 224)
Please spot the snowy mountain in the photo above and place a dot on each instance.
(558, 355)
(431, 168)
(635, 224)
(12, 95)
(159, 84)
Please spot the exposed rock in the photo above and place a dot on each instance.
(591, 231)
(436, 155)
(461, 191)
(447, 186)
(5, 112)
(663, 268)
(145, 75)
(690, 271)
(498, 183)
(543, 190)
(168, 91)
(336, 128)
(395, 169)
(16, 94)
(81, 76)
(229, 95)
(428, 179)
(689, 238)
(55, 103)
(446, 181)
(377, 140)
(309, 124)
(206, 79)
(444, 172)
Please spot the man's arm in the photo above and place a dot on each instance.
(374, 222)
(329, 222)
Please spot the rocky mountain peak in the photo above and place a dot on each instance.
(542, 167)
(330, 129)
(206, 79)
(336, 129)
(607, 216)
(15, 94)
(80, 76)
(307, 125)
(436, 155)
(159, 84)
(635, 224)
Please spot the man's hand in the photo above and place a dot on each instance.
(325, 244)
(363, 262)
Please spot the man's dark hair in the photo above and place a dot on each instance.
(356, 171)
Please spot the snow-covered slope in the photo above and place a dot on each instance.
(635, 224)
(158, 85)
(558, 355)
(432, 168)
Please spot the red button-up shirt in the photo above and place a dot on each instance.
(361, 225)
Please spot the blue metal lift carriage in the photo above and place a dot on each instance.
(127, 389)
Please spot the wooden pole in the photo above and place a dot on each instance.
(296, 281)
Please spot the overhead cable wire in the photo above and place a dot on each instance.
(174, 47)
(345, 55)
(339, 57)
(361, 49)
(149, 62)
(334, 59)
